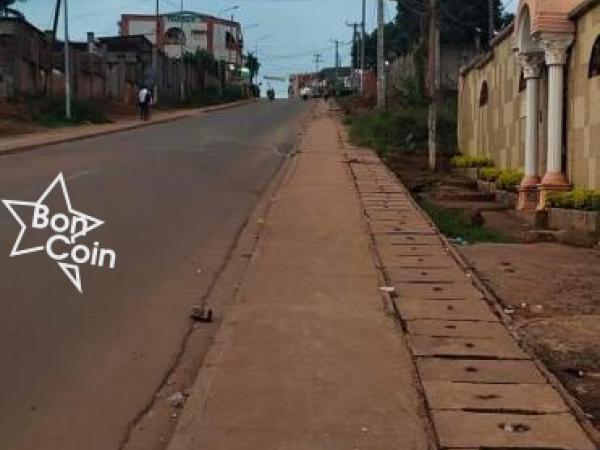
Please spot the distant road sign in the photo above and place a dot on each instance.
(274, 78)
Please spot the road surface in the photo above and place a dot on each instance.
(76, 369)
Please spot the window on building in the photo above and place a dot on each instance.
(198, 34)
(484, 95)
(595, 59)
(174, 36)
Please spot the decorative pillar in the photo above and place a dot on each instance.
(555, 47)
(528, 191)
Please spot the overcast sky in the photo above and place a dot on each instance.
(288, 34)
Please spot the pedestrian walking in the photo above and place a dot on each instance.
(145, 101)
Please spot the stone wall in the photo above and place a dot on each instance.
(495, 129)
(583, 114)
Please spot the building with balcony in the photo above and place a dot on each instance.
(186, 32)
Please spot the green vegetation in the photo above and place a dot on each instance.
(211, 96)
(50, 111)
(253, 65)
(401, 129)
(584, 199)
(461, 25)
(461, 161)
(489, 174)
(455, 224)
(509, 179)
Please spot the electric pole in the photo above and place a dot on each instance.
(317, 60)
(433, 76)
(355, 49)
(363, 34)
(49, 75)
(492, 20)
(380, 55)
(182, 37)
(67, 65)
(155, 53)
(337, 55)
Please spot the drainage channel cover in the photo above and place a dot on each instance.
(395, 262)
(516, 398)
(399, 240)
(463, 430)
(458, 291)
(450, 275)
(502, 371)
(413, 309)
(456, 328)
(450, 347)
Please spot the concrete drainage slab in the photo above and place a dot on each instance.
(456, 328)
(398, 262)
(458, 290)
(522, 398)
(463, 430)
(468, 348)
(426, 276)
(496, 372)
(482, 390)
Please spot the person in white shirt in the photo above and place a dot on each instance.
(145, 101)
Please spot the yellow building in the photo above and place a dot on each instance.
(533, 101)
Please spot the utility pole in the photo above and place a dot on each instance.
(67, 65)
(182, 93)
(337, 56)
(363, 35)
(49, 75)
(380, 55)
(355, 48)
(433, 75)
(155, 53)
(492, 20)
(317, 60)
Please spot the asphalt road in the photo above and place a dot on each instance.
(76, 368)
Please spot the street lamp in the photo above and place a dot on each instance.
(262, 38)
(231, 8)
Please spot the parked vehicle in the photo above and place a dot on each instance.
(305, 93)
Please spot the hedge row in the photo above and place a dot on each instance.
(584, 199)
(461, 161)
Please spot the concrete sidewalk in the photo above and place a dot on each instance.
(309, 357)
(22, 142)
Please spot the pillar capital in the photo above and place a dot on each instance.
(555, 47)
(532, 63)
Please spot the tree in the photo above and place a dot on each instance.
(252, 64)
(203, 60)
(6, 10)
(460, 23)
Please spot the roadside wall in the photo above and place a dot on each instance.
(494, 129)
(497, 129)
(583, 114)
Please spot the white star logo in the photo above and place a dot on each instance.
(76, 225)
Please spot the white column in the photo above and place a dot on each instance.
(555, 118)
(555, 47)
(531, 63)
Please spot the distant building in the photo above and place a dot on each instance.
(188, 31)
